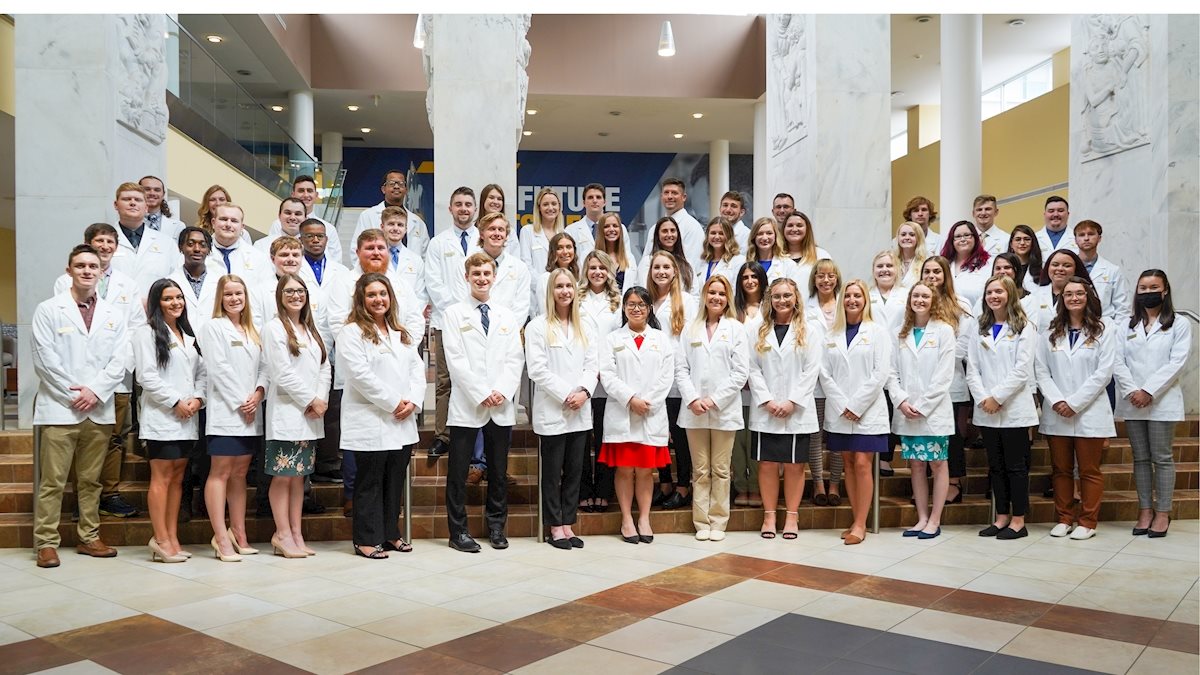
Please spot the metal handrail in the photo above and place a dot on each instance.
(1189, 314)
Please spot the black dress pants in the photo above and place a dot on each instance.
(679, 442)
(1008, 467)
(562, 457)
(462, 444)
(378, 493)
(597, 479)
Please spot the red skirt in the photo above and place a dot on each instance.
(637, 455)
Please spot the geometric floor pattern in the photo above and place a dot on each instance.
(954, 604)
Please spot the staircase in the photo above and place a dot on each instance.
(429, 518)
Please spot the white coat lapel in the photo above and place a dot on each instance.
(631, 344)
(71, 310)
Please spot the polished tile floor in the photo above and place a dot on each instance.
(955, 604)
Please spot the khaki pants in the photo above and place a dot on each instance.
(441, 389)
(110, 475)
(85, 444)
(712, 451)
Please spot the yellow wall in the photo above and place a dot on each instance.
(8, 70)
(8, 275)
(192, 169)
(1024, 149)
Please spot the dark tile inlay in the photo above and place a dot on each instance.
(1109, 625)
(638, 599)
(918, 655)
(737, 565)
(30, 656)
(1180, 637)
(1003, 664)
(811, 635)
(897, 590)
(844, 667)
(427, 662)
(748, 655)
(504, 648)
(994, 607)
(812, 577)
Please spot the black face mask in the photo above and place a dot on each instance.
(1150, 300)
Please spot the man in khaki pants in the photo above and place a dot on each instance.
(80, 354)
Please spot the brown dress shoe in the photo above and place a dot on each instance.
(96, 549)
(47, 557)
(348, 508)
(474, 475)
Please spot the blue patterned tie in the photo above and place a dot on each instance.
(225, 254)
(483, 312)
(395, 256)
(463, 239)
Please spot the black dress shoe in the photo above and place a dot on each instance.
(1048, 493)
(312, 507)
(1139, 531)
(499, 541)
(990, 531)
(463, 542)
(438, 449)
(563, 544)
(660, 497)
(1009, 533)
(576, 542)
(646, 538)
(676, 501)
(886, 473)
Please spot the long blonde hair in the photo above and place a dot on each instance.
(752, 247)
(552, 312)
(1016, 313)
(676, 292)
(245, 319)
(619, 256)
(799, 324)
(946, 294)
(610, 286)
(937, 312)
(702, 314)
(537, 211)
(895, 270)
(919, 253)
(839, 323)
(731, 245)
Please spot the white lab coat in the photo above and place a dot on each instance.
(511, 287)
(782, 267)
(122, 292)
(1002, 368)
(691, 233)
(445, 276)
(889, 310)
(934, 241)
(595, 306)
(534, 249)
(333, 247)
(155, 257)
(418, 231)
(1043, 241)
(339, 299)
(853, 378)
(804, 271)
(200, 309)
(558, 366)
(727, 269)
(646, 373)
(663, 313)
(235, 369)
(814, 316)
(411, 269)
(331, 269)
(784, 372)
(968, 285)
(169, 226)
(583, 231)
(184, 377)
(1042, 307)
(377, 378)
(642, 277)
(959, 392)
(921, 375)
(67, 354)
(1152, 360)
(995, 241)
(295, 381)
(1079, 376)
(480, 363)
(266, 308)
(715, 368)
(1112, 288)
(249, 263)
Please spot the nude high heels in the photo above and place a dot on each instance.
(157, 554)
(223, 558)
(242, 550)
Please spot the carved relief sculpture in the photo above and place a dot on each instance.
(786, 113)
(1113, 81)
(142, 106)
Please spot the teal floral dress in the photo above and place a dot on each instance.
(290, 458)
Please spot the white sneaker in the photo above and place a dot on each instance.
(703, 535)
(1060, 530)
(1080, 533)
(716, 535)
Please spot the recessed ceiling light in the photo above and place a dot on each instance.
(277, 108)
(924, 18)
(215, 39)
(678, 135)
(918, 57)
(614, 113)
(602, 134)
(697, 115)
(526, 133)
(897, 93)
(531, 111)
(1016, 22)
(243, 72)
(352, 108)
(365, 130)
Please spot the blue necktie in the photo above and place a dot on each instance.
(395, 256)
(483, 311)
(152, 220)
(463, 239)
(225, 254)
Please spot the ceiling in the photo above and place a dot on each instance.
(646, 124)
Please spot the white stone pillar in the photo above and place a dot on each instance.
(475, 67)
(300, 119)
(718, 174)
(962, 127)
(171, 35)
(828, 131)
(95, 110)
(761, 199)
(331, 147)
(1134, 167)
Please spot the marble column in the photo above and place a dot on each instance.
(475, 68)
(91, 114)
(1135, 159)
(718, 174)
(331, 147)
(961, 150)
(300, 123)
(761, 199)
(828, 131)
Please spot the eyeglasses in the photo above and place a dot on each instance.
(395, 183)
(313, 237)
(636, 307)
(294, 292)
(965, 236)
